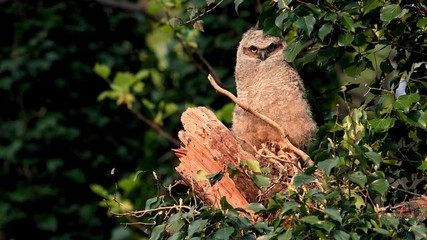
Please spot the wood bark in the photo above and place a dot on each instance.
(209, 146)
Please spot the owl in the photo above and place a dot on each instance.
(270, 86)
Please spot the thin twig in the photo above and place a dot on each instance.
(155, 127)
(203, 13)
(285, 140)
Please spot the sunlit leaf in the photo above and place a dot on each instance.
(261, 180)
(306, 23)
(380, 186)
(327, 165)
(196, 227)
(345, 39)
(224, 233)
(256, 207)
(390, 12)
(102, 70)
(325, 30)
(253, 165)
(303, 179)
(340, 235)
(374, 157)
(334, 214)
(292, 51)
(347, 22)
(371, 5)
(359, 178)
(381, 124)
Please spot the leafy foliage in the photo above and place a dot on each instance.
(371, 149)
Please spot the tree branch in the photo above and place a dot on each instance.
(285, 140)
(155, 127)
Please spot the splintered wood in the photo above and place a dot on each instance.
(210, 147)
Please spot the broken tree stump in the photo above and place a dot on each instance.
(209, 146)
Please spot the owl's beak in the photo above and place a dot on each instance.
(262, 55)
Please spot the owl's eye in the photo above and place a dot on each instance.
(271, 48)
(253, 49)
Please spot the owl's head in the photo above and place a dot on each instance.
(256, 45)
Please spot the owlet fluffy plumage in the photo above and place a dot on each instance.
(270, 86)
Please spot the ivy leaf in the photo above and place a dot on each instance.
(313, 220)
(359, 178)
(302, 179)
(380, 186)
(157, 232)
(418, 119)
(374, 157)
(325, 30)
(292, 51)
(390, 12)
(347, 22)
(174, 226)
(287, 206)
(404, 102)
(256, 207)
(285, 236)
(345, 39)
(340, 235)
(261, 180)
(327, 165)
(224, 233)
(334, 214)
(196, 227)
(306, 23)
(371, 5)
(381, 124)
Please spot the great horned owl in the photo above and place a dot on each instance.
(270, 86)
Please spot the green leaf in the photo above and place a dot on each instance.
(359, 178)
(302, 179)
(196, 227)
(422, 22)
(380, 186)
(313, 220)
(157, 232)
(287, 206)
(124, 79)
(340, 235)
(292, 51)
(102, 70)
(224, 233)
(261, 180)
(404, 102)
(256, 207)
(237, 4)
(418, 119)
(381, 124)
(371, 5)
(420, 231)
(325, 30)
(382, 231)
(174, 226)
(253, 165)
(327, 165)
(347, 22)
(345, 39)
(374, 157)
(334, 214)
(306, 23)
(390, 12)
(285, 236)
